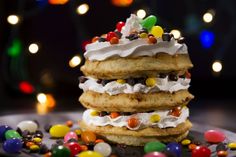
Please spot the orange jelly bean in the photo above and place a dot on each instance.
(99, 140)
(83, 147)
(133, 122)
(222, 153)
(114, 40)
(95, 39)
(176, 112)
(88, 137)
(114, 115)
(192, 146)
(152, 40)
(69, 123)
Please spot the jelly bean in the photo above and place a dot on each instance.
(221, 146)
(143, 35)
(95, 39)
(29, 144)
(13, 145)
(222, 153)
(110, 35)
(175, 148)
(37, 140)
(114, 40)
(84, 147)
(69, 123)
(59, 131)
(155, 154)
(232, 145)
(49, 154)
(150, 82)
(78, 132)
(176, 112)
(201, 151)
(99, 140)
(214, 136)
(152, 40)
(114, 115)
(43, 149)
(119, 25)
(154, 146)
(192, 146)
(29, 125)
(74, 148)
(121, 81)
(149, 22)
(89, 154)
(34, 148)
(88, 137)
(60, 151)
(155, 118)
(133, 122)
(70, 135)
(186, 142)
(12, 134)
(3, 129)
(103, 148)
(94, 113)
(157, 31)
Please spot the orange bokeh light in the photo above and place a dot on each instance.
(122, 3)
(58, 2)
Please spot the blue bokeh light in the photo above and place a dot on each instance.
(207, 38)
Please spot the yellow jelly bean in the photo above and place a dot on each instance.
(143, 35)
(78, 131)
(94, 113)
(89, 154)
(121, 81)
(232, 145)
(150, 82)
(186, 142)
(34, 148)
(157, 31)
(59, 131)
(155, 118)
(37, 140)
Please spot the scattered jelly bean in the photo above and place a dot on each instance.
(119, 25)
(69, 123)
(3, 129)
(192, 146)
(29, 125)
(37, 140)
(49, 154)
(154, 146)
(133, 122)
(94, 113)
(84, 147)
(114, 115)
(176, 111)
(121, 81)
(186, 142)
(70, 135)
(89, 154)
(74, 148)
(12, 134)
(175, 148)
(149, 22)
(201, 151)
(155, 118)
(157, 31)
(222, 153)
(29, 144)
(99, 140)
(232, 145)
(103, 148)
(59, 131)
(214, 136)
(13, 145)
(60, 151)
(110, 35)
(34, 148)
(88, 137)
(114, 40)
(150, 82)
(152, 40)
(221, 146)
(155, 154)
(143, 35)
(95, 39)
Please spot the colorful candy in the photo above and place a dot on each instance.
(114, 115)
(152, 40)
(143, 35)
(88, 137)
(155, 154)
(214, 136)
(114, 40)
(133, 122)
(96, 38)
(29, 125)
(192, 146)
(157, 31)
(176, 112)
(201, 151)
(175, 148)
(70, 135)
(150, 82)
(69, 123)
(94, 113)
(222, 153)
(154, 147)
(110, 35)
(12, 134)
(121, 81)
(74, 148)
(103, 148)
(59, 131)
(3, 130)
(155, 118)
(166, 36)
(13, 145)
(60, 151)
(186, 142)
(149, 22)
(232, 145)
(119, 25)
(89, 154)
(34, 148)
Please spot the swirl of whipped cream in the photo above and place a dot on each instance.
(166, 120)
(113, 87)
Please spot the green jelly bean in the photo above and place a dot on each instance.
(149, 22)
(12, 134)
(154, 146)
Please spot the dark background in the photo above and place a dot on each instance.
(60, 31)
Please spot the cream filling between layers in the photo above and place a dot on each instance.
(114, 88)
(166, 120)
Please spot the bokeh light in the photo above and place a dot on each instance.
(217, 66)
(75, 61)
(33, 48)
(42, 98)
(58, 2)
(122, 3)
(207, 38)
(82, 9)
(176, 33)
(26, 87)
(13, 19)
(141, 13)
(207, 17)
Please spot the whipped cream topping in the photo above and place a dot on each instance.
(166, 120)
(113, 87)
(131, 24)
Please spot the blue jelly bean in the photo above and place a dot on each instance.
(3, 129)
(175, 148)
(13, 145)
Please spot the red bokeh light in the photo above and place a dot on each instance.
(26, 87)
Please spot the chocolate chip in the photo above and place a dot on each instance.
(126, 113)
(43, 149)
(103, 113)
(166, 36)
(25, 133)
(143, 30)
(141, 80)
(173, 77)
(182, 76)
(19, 130)
(47, 127)
(82, 79)
(119, 34)
(99, 81)
(130, 81)
(90, 145)
(162, 75)
(150, 35)
(39, 134)
(104, 82)
(181, 40)
(101, 39)
(132, 36)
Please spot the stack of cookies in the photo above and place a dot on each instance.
(136, 84)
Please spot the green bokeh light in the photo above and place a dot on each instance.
(15, 49)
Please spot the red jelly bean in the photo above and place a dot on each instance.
(119, 25)
(214, 136)
(111, 35)
(201, 151)
(74, 148)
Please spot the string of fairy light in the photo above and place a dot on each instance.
(46, 102)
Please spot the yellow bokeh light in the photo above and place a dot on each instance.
(13, 19)
(75, 61)
(33, 48)
(42, 98)
(176, 33)
(141, 13)
(217, 66)
(82, 9)
(207, 17)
